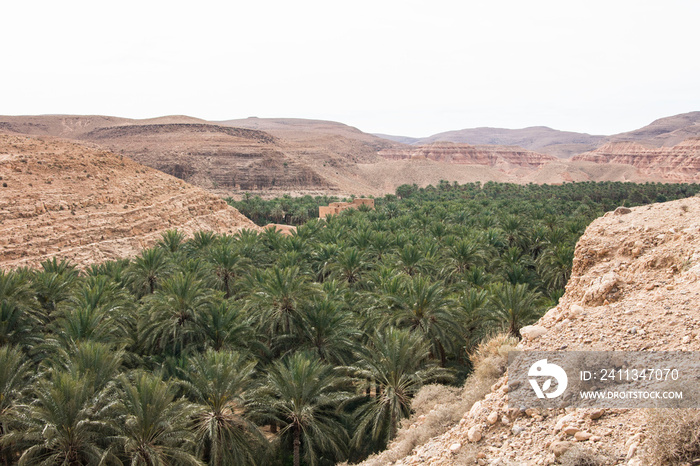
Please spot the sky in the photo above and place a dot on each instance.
(409, 67)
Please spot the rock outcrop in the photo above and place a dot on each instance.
(680, 163)
(634, 286)
(510, 156)
(64, 199)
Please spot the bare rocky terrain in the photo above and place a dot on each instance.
(667, 131)
(64, 199)
(275, 156)
(680, 162)
(492, 156)
(635, 286)
(562, 144)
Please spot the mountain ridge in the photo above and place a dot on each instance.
(276, 156)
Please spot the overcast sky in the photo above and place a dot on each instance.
(405, 67)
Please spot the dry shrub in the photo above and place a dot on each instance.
(444, 406)
(490, 358)
(673, 436)
(580, 456)
(431, 396)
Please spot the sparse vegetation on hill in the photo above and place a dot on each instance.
(259, 348)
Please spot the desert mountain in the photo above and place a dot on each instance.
(471, 155)
(562, 144)
(634, 287)
(679, 163)
(274, 156)
(89, 205)
(668, 131)
(76, 126)
(300, 156)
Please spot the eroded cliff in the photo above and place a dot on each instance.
(506, 156)
(680, 163)
(63, 199)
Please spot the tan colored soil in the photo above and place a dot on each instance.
(89, 205)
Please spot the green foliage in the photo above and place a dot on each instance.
(185, 353)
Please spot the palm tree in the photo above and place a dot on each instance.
(99, 310)
(15, 288)
(250, 245)
(422, 307)
(461, 257)
(303, 395)
(14, 377)
(322, 259)
(201, 240)
(17, 327)
(412, 260)
(218, 381)
(65, 424)
(512, 306)
(227, 264)
(554, 266)
(91, 361)
(468, 311)
(225, 326)
(151, 425)
(53, 285)
(329, 331)
(398, 362)
(171, 241)
(171, 323)
(349, 265)
(147, 270)
(277, 295)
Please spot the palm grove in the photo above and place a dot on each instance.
(267, 349)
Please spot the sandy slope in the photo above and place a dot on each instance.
(58, 198)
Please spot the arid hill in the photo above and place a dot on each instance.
(227, 158)
(471, 155)
(634, 287)
(668, 131)
(562, 144)
(678, 163)
(274, 156)
(89, 205)
(330, 136)
(75, 126)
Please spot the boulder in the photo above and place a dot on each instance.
(532, 332)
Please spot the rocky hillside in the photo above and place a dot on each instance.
(635, 285)
(276, 156)
(267, 156)
(677, 163)
(667, 131)
(473, 155)
(89, 205)
(562, 144)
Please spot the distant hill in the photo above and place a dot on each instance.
(680, 162)
(330, 136)
(276, 156)
(562, 144)
(667, 132)
(399, 139)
